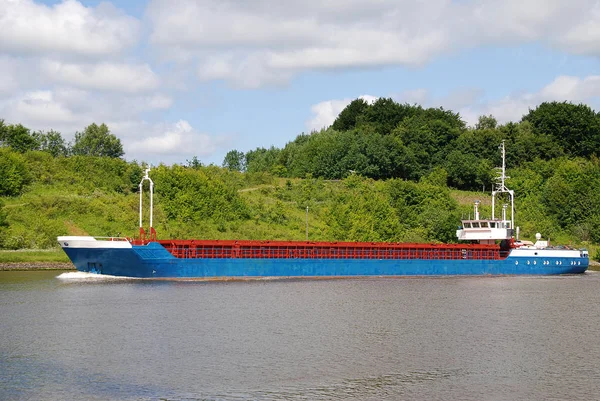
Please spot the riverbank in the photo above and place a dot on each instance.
(34, 257)
(11, 266)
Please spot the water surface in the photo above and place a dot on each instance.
(484, 338)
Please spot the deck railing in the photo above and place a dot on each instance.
(215, 249)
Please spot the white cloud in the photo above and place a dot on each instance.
(174, 140)
(102, 76)
(71, 110)
(514, 106)
(250, 72)
(266, 42)
(325, 113)
(8, 72)
(37, 110)
(27, 27)
(156, 102)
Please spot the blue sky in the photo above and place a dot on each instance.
(177, 79)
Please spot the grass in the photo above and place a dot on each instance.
(33, 255)
(276, 210)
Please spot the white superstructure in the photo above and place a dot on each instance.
(490, 230)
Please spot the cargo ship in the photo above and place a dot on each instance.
(490, 248)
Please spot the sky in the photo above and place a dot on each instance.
(178, 79)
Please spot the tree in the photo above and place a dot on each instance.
(575, 127)
(525, 145)
(463, 169)
(235, 160)
(486, 122)
(13, 173)
(96, 140)
(385, 114)
(195, 163)
(261, 159)
(53, 143)
(571, 194)
(3, 129)
(426, 142)
(348, 117)
(18, 137)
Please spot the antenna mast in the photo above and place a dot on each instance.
(500, 187)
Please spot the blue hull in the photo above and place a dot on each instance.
(154, 261)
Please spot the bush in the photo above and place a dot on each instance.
(14, 174)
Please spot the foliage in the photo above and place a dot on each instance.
(3, 224)
(385, 114)
(53, 143)
(334, 155)
(193, 195)
(13, 173)
(363, 213)
(424, 208)
(486, 122)
(381, 172)
(3, 216)
(195, 163)
(17, 137)
(571, 196)
(96, 140)
(235, 160)
(349, 117)
(575, 127)
(260, 159)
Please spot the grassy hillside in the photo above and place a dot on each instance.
(98, 196)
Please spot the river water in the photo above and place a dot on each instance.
(73, 337)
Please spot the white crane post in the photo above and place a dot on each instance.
(151, 200)
(141, 186)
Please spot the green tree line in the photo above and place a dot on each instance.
(381, 172)
(389, 140)
(94, 140)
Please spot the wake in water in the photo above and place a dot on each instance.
(84, 276)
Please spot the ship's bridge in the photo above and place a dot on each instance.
(485, 231)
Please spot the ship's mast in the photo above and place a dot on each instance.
(141, 186)
(500, 187)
